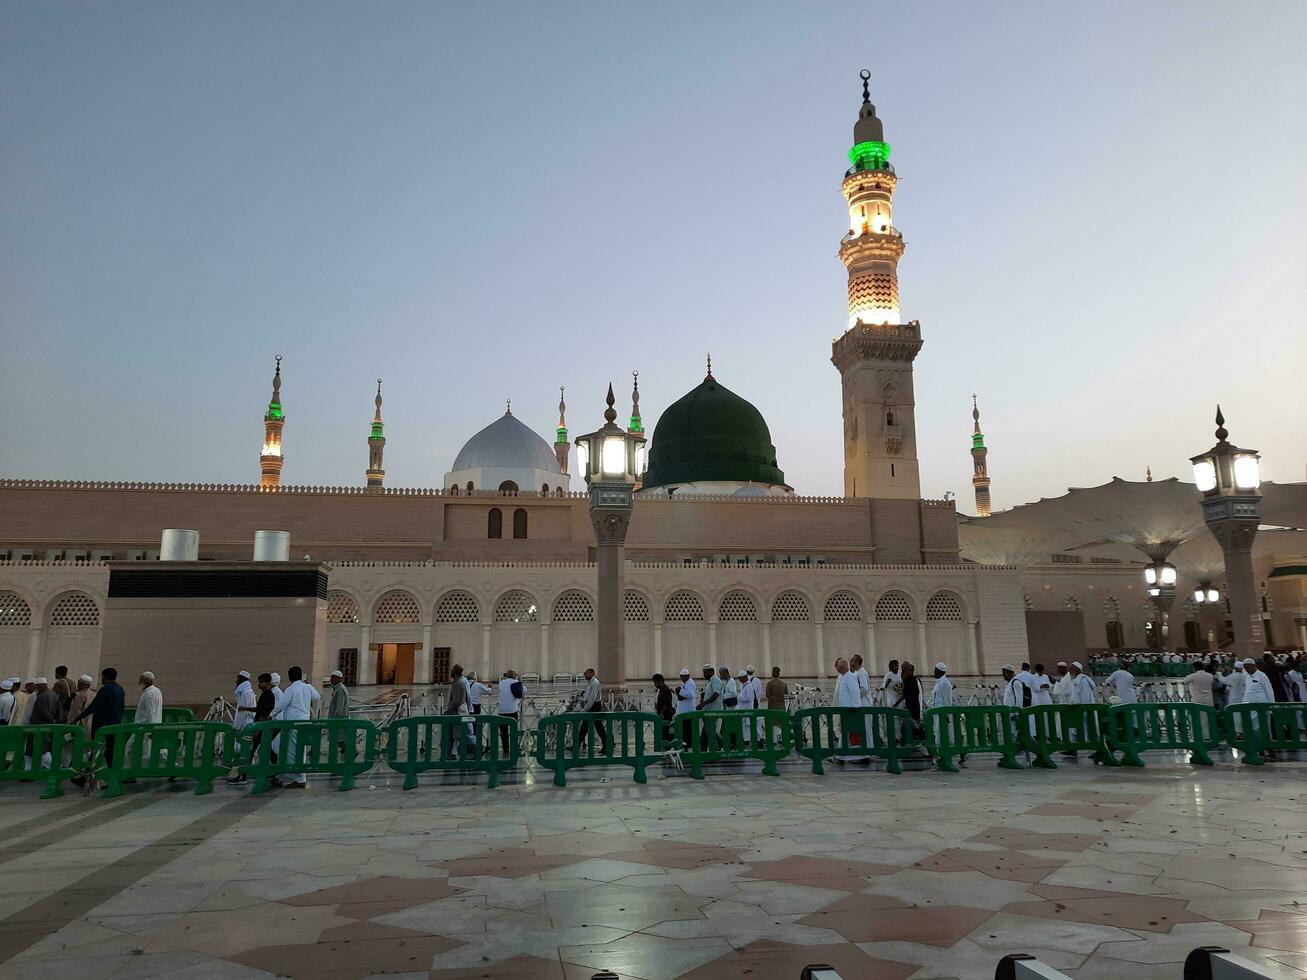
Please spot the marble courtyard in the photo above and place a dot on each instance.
(1100, 873)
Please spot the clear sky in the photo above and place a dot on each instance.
(1104, 207)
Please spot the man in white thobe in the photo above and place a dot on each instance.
(892, 685)
(296, 705)
(6, 700)
(1257, 689)
(747, 701)
(1123, 683)
(859, 673)
(759, 695)
(941, 695)
(1014, 692)
(687, 695)
(149, 710)
(1041, 688)
(1082, 687)
(846, 696)
(277, 692)
(1062, 686)
(245, 701)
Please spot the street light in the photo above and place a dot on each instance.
(1228, 478)
(612, 461)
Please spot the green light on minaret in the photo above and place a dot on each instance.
(378, 430)
(978, 441)
(274, 412)
(871, 155)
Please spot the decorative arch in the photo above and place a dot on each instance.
(573, 606)
(737, 606)
(842, 607)
(635, 607)
(517, 606)
(791, 607)
(1072, 602)
(75, 609)
(14, 610)
(683, 606)
(341, 608)
(894, 607)
(495, 523)
(508, 486)
(458, 606)
(944, 607)
(396, 607)
(519, 523)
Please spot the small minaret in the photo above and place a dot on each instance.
(561, 445)
(376, 445)
(980, 476)
(271, 460)
(637, 425)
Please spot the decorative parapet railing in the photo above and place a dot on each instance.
(679, 566)
(463, 564)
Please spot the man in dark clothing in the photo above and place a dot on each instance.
(64, 689)
(106, 708)
(263, 709)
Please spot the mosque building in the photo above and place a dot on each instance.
(726, 563)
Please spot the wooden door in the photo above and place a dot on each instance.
(405, 654)
(348, 662)
(440, 657)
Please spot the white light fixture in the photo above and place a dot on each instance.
(614, 457)
(583, 457)
(1247, 471)
(1205, 475)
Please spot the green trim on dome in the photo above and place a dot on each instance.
(712, 434)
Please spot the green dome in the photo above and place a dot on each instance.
(711, 435)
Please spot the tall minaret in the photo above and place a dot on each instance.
(376, 445)
(561, 445)
(875, 354)
(637, 425)
(271, 459)
(980, 476)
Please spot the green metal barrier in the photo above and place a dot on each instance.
(1174, 726)
(1049, 728)
(635, 738)
(748, 733)
(969, 730)
(1257, 728)
(878, 733)
(322, 745)
(424, 743)
(22, 748)
(171, 716)
(199, 750)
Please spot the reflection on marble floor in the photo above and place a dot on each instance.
(1100, 873)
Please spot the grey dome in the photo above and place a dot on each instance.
(506, 443)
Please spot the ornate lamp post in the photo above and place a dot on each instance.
(612, 461)
(1228, 478)
(1160, 578)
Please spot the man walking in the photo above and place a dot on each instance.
(338, 706)
(149, 708)
(592, 701)
(892, 685)
(63, 688)
(296, 705)
(6, 700)
(245, 702)
(106, 708)
(511, 692)
(687, 693)
(847, 696)
(456, 744)
(1123, 682)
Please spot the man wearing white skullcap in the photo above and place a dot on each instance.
(1082, 688)
(23, 701)
(81, 698)
(277, 692)
(149, 709)
(1062, 686)
(941, 695)
(245, 701)
(687, 693)
(6, 700)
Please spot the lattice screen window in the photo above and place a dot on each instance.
(843, 607)
(341, 608)
(516, 607)
(893, 607)
(14, 610)
(944, 607)
(458, 607)
(636, 607)
(573, 607)
(75, 609)
(737, 607)
(790, 607)
(684, 607)
(397, 607)
(1071, 602)
(1112, 610)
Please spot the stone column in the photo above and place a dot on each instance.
(422, 662)
(819, 650)
(35, 650)
(766, 647)
(544, 652)
(870, 656)
(1300, 622)
(485, 650)
(922, 654)
(712, 644)
(658, 648)
(973, 655)
(610, 525)
(367, 668)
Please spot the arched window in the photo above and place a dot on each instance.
(544, 489)
(843, 607)
(453, 491)
(457, 607)
(516, 607)
(737, 607)
(14, 610)
(495, 523)
(341, 608)
(75, 609)
(508, 486)
(893, 607)
(519, 523)
(469, 486)
(683, 607)
(790, 607)
(944, 607)
(396, 607)
(635, 607)
(573, 607)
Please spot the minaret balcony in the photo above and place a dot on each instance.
(887, 245)
(883, 341)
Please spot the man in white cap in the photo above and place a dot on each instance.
(847, 696)
(1123, 683)
(1013, 689)
(747, 701)
(941, 695)
(6, 700)
(759, 693)
(863, 679)
(277, 692)
(687, 694)
(1256, 685)
(338, 706)
(1062, 686)
(245, 701)
(1082, 687)
(149, 709)
(81, 699)
(23, 701)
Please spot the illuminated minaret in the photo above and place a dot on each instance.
(271, 459)
(875, 354)
(637, 425)
(980, 474)
(376, 445)
(561, 445)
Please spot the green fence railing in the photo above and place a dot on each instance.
(171, 716)
(198, 750)
(1255, 729)
(971, 730)
(572, 740)
(1174, 726)
(747, 733)
(342, 747)
(29, 753)
(854, 733)
(468, 743)
(1049, 728)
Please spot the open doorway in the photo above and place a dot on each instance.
(395, 663)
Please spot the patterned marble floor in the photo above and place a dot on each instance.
(1100, 873)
